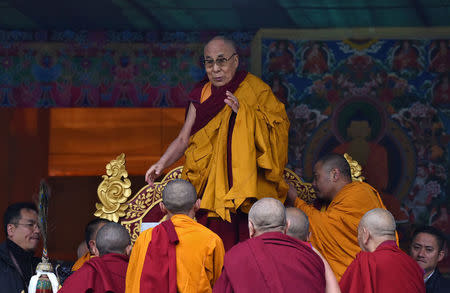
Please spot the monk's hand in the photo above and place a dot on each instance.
(291, 196)
(232, 101)
(153, 173)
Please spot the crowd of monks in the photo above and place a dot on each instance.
(181, 255)
(234, 224)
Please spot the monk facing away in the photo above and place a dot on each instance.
(381, 267)
(334, 231)
(271, 261)
(107, 272)
(235, 140)
(90, 234)
(298, 227)
(178, 255)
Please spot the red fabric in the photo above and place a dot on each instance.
(100, 275)
(272, 262)
(230, 233)
(159, 273)
(387, 269)
(213, 105)
(229, 154)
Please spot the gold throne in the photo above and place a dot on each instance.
(117, 204)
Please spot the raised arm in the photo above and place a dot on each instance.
(175, 150)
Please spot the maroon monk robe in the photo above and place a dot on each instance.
(100, 275)
(272, 262)
(387, 269)
(230, 233)
(214, 104)
(159, 273)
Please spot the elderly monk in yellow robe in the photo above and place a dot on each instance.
(90, 233)
(334, 231)
(178, 255)
(235, 140)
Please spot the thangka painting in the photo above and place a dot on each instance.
(383, 101)
(103, 69)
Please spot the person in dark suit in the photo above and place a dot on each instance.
(428, 249)
(17, 260)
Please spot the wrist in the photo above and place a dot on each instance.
(298, 202)
(161, 163)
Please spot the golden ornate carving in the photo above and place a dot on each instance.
(114, 191)
(304, 190)
(134, 230)
(355, 168)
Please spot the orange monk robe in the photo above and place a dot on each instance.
(334, 231)
(80, 262)
(199, 256)
(259, 152)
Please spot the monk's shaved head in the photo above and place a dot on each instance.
(379, 222)
(336, 161)
(298, 224)
(267, 214)
(179, 196)
(225, 40)
(112, 238)
(375, 227)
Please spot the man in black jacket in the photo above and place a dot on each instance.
(428, 249)
(17, 261)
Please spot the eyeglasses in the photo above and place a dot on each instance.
(221, 61)
(30, 226)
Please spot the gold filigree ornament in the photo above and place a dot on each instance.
(114, 191)
(304, 190)
(355, 168)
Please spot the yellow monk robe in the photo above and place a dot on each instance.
(199, 256)
(80, 262)
(259, 152)
(334, 231)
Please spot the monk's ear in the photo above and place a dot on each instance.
(237, 60)
(251, 229)
(162, 207)
(335, 174)
(92, 247)
(95, 250)
(128, 250)
(308, 237)
(197, 205)
(365, 236)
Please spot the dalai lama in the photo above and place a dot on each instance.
(235, 140)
